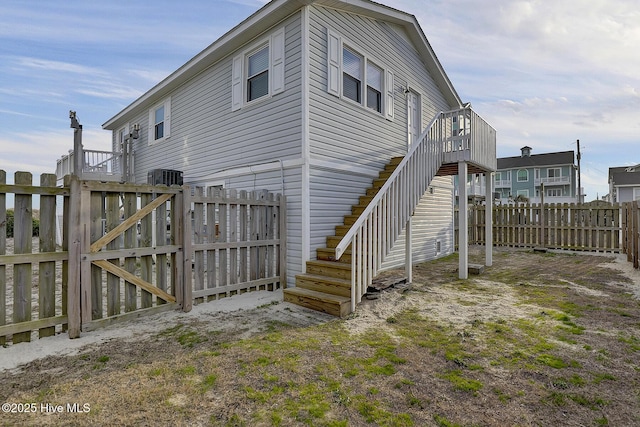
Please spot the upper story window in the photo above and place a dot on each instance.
(554, 173)
(160, 122)
(523, 175)
(121, 137)
(374, 87)
(258, 72)
(352, 75)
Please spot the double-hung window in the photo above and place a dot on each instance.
(159, 122)
(374, 87)
(258, 72)
(353, 76)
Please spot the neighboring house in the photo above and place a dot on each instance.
(311, 98)
(527, 174)
(624, 184)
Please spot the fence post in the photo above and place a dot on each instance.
(183, 205)
(636, 233)
(75, 237)
(282, 230)
(3, 251)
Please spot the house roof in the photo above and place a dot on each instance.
(536, 160)
(268, 16)
(621, 177)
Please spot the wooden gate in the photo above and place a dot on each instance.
(130, 243)
(127, 250)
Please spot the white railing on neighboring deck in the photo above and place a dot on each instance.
(96, 165)
(373, 234)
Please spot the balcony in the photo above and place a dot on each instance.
(96, 165)
(554, 180)
(466, 137)
(502, 183)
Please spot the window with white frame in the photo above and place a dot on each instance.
(159, 122)
(374, 87)
(554, 192)
(523, 193)
(352, 75)
(121, 137)
(258, 72)
(523, 175)
(554, 173)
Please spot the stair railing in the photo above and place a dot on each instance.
(375, 231)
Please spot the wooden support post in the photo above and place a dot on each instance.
(282, 235)
(85, 243)
(183, 205)
(408, 253)
(3, 251)
(75, 240)
(488, 220)
(463, 218)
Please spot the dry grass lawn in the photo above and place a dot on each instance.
(537, 340)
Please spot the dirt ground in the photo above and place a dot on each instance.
(538, 339)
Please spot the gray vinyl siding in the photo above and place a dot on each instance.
(432, 221)
(350, 136)
(332, 194)
(207, 137)
(342, 131)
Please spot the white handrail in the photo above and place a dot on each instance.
(373, 234)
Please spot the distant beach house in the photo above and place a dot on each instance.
(624, 183)
(528, 175)
(314, 99)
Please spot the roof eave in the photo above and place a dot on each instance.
(266, 17)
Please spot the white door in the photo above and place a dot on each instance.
(413, 117)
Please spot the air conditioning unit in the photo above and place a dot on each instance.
(164, 177)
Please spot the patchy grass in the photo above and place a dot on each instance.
(515, 346)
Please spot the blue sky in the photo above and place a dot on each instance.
(543, 73)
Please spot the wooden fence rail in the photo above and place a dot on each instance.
(128, 250)
(584, 227)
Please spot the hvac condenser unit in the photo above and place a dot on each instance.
(164, 177)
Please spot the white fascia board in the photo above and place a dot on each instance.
(257, 23)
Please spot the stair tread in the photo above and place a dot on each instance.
(334, 280)
(348, 251)
(338, 264)
(322, 296)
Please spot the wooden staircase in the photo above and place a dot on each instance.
(326, 286)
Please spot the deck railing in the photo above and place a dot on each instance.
(96, 165)
(450, 134)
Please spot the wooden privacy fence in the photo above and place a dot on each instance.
(631, 231)
(583, 227)
(128, 250)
